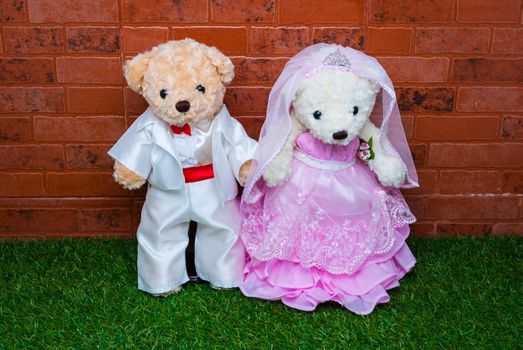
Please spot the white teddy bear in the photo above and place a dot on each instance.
(335, 107)
(322, 218)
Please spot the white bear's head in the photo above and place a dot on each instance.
(334, 105)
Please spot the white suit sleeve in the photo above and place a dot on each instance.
(241, 149)
(134, 149)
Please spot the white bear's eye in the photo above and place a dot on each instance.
(316, 114)
(163, 93)
(355, 110)
(201, 88)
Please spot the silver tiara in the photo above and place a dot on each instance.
(334, 61)
(337, 59)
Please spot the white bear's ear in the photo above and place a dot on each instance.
(222, 63)
(134, 70)
(376, 87)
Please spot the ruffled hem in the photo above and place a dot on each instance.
(304, 288)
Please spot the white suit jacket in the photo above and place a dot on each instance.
(147, 148)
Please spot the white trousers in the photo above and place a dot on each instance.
(163, 237)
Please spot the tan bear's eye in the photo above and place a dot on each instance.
(201, 88)
(163, 93)
(355, 110)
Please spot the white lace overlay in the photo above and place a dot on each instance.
(316, 239)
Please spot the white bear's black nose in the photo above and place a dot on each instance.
(183, 106)
(340, 135)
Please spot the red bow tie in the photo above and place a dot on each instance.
(186, 129)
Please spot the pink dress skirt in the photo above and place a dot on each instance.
(330, 232)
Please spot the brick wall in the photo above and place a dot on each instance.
(457, 66)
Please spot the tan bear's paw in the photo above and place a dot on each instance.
(127, 178)
(244, 171)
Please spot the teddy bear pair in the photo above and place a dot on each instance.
(321, 218)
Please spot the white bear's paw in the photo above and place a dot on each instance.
(391, 171)
(278, 171)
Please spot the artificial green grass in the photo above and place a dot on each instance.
(81, 294)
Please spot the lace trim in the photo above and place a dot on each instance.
(314, 240)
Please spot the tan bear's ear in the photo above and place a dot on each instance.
(222, 63)
(134, 70)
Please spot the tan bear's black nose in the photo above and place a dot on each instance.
(183, 106)
(340, 135)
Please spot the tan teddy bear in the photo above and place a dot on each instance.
(191, 151)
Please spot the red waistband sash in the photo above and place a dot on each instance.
(198, 173)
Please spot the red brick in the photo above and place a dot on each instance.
(115, 219)
(419, 153)
(456, 128)
(165, 10)
(411, 11)
(313, 11)
(512, 127)
(12, 11)
(258, 71)
(95, 100)
(82, 70)
(488, 70)
(15, 129)
(78, 128)
(415, 69)
(92, 39)
(463, 229)
(502, 229)
(488, 11)
(40, 220)
(29, 99)
(427, 181)
(279, 40)
(470, 181)
(436, 99)
(88, 157)
(389, 40)
(452, 40)
(513, 182)
(252, 125)
(138, 39)
(33, 39)
(44, 11)
(83, 184)
(508, 155)
(247, 100)
(243, 10)
(136, 213)
(416, 205)
(345, 36)
(134, 102)
(31, 157)
(487, 99)
(26, 70)
(508, 40)
(21, 185)
(422, 229)
(407, 122)
(487, 207)
(227, 39)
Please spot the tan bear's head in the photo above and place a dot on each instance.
(183, 81)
